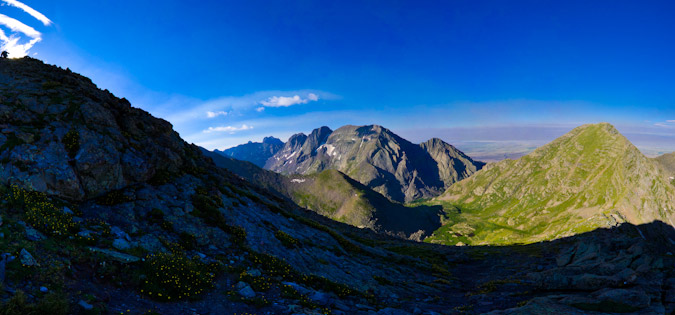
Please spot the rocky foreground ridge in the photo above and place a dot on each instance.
(378, 158)
(106, 210)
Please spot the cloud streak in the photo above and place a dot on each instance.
(286, 101)
(229, 129)
(34, 13)
(211, 114)
(11, 43)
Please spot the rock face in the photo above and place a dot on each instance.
(376, 157)
(255, 152)
(591, 177)
(65, 137)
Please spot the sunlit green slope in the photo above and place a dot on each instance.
(591, 177)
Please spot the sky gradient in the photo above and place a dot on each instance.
(225, 72)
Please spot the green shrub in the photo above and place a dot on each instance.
(52, 303)
(324, 284)
(72, 142)
(173, 276)
(237, 234)
(258, 284)
(187, 240)
(273, 265)
(156, 216)
(11, 142)
(161, 177)
(207, 207)
(286, 239)
(382, 280)
(113, 198)
(50, 85)
(41, 212)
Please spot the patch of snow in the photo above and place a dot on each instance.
(330, 149)
(296, 180)
(288, 157)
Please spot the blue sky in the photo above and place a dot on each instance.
(225, 72)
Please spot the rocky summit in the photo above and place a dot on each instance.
(589, 178)
(255, 152)
(104, 209)
(378, 158)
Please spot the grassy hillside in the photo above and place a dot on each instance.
(667, 161)
(591, 177)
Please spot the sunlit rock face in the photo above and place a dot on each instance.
(378, 158)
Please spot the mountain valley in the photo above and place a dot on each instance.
(106, 210)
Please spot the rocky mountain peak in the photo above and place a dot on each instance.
(378, 158)
(272, 141)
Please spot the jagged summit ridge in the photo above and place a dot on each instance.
(377, 158)
(254, 152)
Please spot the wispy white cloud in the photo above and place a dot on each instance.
(666, 124)
(260, 109)
(34, 13)
(14, 44)
(211, 114)
(192, 110)
(285, 101)
(17, 26)
(230, 129)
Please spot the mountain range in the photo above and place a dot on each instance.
(105, 209)
(376, 157)
(255, 152)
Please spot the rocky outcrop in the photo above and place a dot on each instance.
(377, 158)
(65, 137)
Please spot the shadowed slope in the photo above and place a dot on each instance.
(336, 196)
